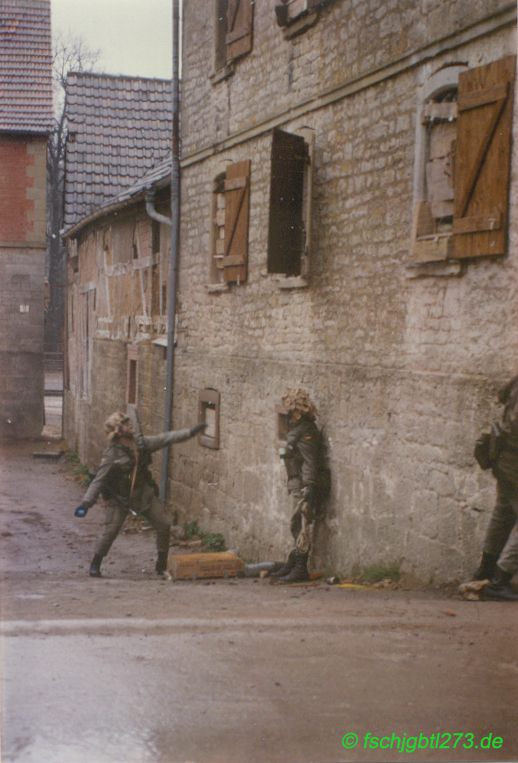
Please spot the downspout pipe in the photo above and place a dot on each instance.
(175, 246)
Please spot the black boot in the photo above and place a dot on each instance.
(95, 567)
(500, 588)
(299, 572)
(161, 562)
(286, 567)
(487, 567)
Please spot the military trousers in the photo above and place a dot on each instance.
(302, 522)
(115, 516)
(502, 533)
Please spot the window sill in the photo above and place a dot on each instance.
(223, 73)
(293, 282)
(437, 269)
(217, 288)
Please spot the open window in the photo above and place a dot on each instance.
(289, 233)
(230, 221)
(463, 163)
(233, 31)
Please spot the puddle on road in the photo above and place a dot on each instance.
(127, 747)
(30, 596)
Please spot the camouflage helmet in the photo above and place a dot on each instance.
(114, 423)
(299, 401)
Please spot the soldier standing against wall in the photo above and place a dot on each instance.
(308, 480)
(125, 481)
(500, 550)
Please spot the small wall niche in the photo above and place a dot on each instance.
(209, 408)
(282, 422)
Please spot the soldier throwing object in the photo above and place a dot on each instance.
(304, 458)
(124, 479)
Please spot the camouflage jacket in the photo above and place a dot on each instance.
(303, 455)
(507, 464)
(114, 476)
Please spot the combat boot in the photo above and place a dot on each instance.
(286, 567)
(487, 567)
(95, 567)
(499, 589)
(299, 572)
(161, 562)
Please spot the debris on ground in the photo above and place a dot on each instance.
(472, 590)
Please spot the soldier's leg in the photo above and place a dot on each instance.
(303, 541)
(502, 520)
(113, 521)
(295, 525)
(159, 518)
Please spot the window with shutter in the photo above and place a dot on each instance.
(435, 166)
(233, 31)
(230, 219)
(290, 198)
(482, 160)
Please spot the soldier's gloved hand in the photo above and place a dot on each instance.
(198, 428)
(81, 511)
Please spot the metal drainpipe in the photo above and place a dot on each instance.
(174, 222)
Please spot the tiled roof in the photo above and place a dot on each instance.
(157, 177)
(25, 66)
(119, 128)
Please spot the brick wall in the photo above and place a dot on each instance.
(22, 190)
(22, 252)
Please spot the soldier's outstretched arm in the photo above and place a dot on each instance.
(155, 442)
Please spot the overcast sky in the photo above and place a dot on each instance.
(134, 36)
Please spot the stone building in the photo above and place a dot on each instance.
(347, 180)
(25, 122)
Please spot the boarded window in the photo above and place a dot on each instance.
(434, 214)
(123, 241)
(287, 235)
(234, 30)
(483, 159)
(209, 412)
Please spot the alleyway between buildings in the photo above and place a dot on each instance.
(130, 669)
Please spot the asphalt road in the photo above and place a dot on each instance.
(131, 669)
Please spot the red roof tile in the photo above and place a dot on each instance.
(25, 66)
(119, 128)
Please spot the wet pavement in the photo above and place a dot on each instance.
(131, 669)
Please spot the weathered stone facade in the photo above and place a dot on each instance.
(402, 355)
(403, 362)
(116, 304)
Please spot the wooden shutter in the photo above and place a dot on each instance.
(286, 230)
(482, 159)
(237, 206)
(240, 17)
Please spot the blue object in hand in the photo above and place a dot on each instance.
(81, 511)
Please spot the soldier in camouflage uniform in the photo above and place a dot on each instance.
(500, 550)
(304, 458)
(124, 479)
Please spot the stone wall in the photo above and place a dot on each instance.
(22, 252)
(403, 368)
